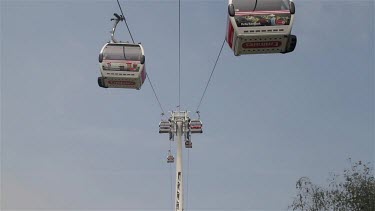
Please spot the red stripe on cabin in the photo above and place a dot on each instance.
(230, 34)
(122, 83)
(263, 12)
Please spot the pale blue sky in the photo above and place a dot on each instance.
(268, 119)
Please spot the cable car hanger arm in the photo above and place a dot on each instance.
(117, 20)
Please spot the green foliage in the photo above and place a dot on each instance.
(354, 190)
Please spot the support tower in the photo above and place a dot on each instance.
(179, 124)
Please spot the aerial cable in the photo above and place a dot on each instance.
(156, 96)
(179, 54)
(208, 82)
(147, 76)
(125, 21)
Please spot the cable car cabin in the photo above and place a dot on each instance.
(122, 65)
(195, 126)
(188, 144)
(164, 127)
(260, 26)
(170, 159)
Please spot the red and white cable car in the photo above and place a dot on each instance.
(260, 26)
(165, 127)
(195, 126)
(170, 158)
(122, 65)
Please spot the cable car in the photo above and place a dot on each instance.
(170, 158)
(260, 26)
(195, 126)
(122, 64)
(188, 144)
(164, 127)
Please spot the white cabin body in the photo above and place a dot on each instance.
(260, 26)
(122, 65)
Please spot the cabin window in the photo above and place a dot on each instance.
(260, 5)
(122, 52)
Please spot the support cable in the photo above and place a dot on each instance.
(125, 21)
(147, 76)
(179, 55)
(156, 96)
(212, 72)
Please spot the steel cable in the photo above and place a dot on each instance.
(125, 21)
(179, 54)
(148, 77)
(156, 96)
(212, 72)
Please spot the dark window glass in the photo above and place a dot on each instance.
(122, 52)
(260, 5)
(244, 5)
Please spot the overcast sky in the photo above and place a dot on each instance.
(268, 120)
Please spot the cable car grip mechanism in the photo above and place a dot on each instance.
(117, 20)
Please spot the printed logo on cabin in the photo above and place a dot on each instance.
(266, 44)
(124, 83)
